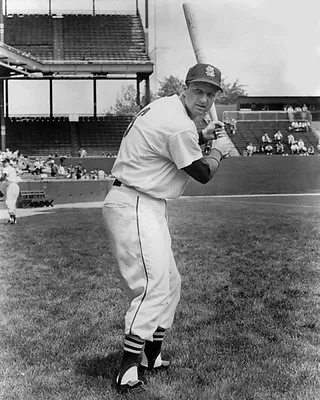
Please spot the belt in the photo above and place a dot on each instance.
(117, 182)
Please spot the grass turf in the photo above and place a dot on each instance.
(247, 326)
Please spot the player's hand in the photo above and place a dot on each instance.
(213, 130)
(222, 144)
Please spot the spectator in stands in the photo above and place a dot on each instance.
(294, 148)
(290, 139)
(310, 150)
(54, 168)
(249, 149)
(37, 167)
(61, 170)
(290, 112)
(302, 149)
(298, 112)
(266, 139)
(304, 112)
(279, 148)
(278, 136)
(78, 171)
(101, 174)
(268, 149)
(82, 153)
(8, 154)
(233, 126)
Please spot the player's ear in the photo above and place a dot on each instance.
(184, 88)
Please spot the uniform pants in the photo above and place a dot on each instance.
(12, 193)
(141, 244)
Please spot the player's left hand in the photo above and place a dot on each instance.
(213, 130)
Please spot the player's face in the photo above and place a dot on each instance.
(199, 97)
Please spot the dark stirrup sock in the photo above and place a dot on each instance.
(153, 349)
(133, 346)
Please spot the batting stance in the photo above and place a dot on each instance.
(159, 152)
(11, 179)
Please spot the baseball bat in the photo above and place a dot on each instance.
(198, 52)
(197, 48)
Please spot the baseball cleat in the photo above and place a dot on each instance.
(130, 386)
(157, 367)
(127, 379)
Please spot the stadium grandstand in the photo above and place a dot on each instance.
(52, 46)
(63, 46)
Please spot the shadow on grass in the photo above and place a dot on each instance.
(99, 366)
(93, 369)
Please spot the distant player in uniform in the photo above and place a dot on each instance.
(11, 180)
(159, 152)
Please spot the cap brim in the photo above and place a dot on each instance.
(206, 81)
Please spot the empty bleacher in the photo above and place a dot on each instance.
(102, 134)
(103, 37)
(32, 34)
(77, 37)
(40, 137)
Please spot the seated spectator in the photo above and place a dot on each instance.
(37, 167)
(310, 150)
(250, 149)
(302, 149)
(266, 139)
(61, 170)
(279, 147)
(78, 171)
(101, 174)
(290, 139)
(8, 153)
(54, 169)
(294, 148)
(278, 136)
(268, 149)
(298, 112)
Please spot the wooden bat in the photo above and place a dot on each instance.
(197, 48)
(200, 57)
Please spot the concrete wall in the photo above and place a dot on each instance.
(237, 175)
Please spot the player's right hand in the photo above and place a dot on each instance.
(222, 144)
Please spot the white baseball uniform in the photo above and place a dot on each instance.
(12, 188)
(160, 142)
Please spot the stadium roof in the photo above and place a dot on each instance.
(74, 45)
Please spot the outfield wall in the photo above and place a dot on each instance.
(237, 175)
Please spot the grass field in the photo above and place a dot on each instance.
(247, 327)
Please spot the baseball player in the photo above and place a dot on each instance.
(11, 179)
(160, 151)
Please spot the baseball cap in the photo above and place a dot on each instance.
(204, 73)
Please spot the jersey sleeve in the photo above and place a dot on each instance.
(184, 148)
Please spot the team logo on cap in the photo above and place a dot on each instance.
(210, 71)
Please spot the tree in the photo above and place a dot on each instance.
(169, 86)
(126, 102)
(230, 93)
(174, 85)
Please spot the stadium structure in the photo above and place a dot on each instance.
(84, 46)
(106, 45)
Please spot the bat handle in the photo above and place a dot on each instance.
(207, 148)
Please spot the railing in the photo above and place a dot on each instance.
(263, 115)
(23, 12)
